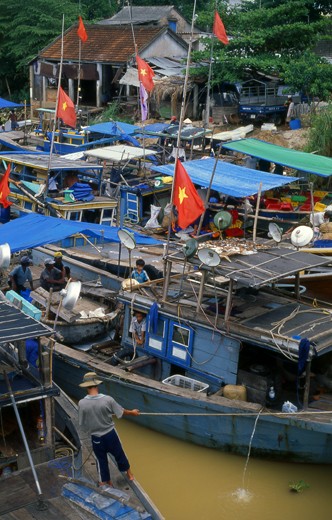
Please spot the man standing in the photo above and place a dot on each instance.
(51, 277)
(20, 274)
(95, 418)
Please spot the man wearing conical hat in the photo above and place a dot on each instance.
(95, 418)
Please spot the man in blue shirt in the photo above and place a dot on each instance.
(20, 274)
(139, 274)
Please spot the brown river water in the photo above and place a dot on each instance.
(190, 482)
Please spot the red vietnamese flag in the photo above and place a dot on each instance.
(4, 189)
(66, 109)
(185, 197)
(145, 74)
(81, 32)
(219, 29)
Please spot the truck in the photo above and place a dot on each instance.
(263, 101)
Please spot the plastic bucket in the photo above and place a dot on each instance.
(69, 197)
(295, 124)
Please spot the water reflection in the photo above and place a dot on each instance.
(190, 482)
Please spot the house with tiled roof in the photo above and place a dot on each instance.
(101, 60)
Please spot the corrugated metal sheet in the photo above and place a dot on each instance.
(267, 266)
(15, 325)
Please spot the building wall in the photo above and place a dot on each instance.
(164, 47)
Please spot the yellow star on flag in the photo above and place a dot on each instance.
(64, 105)
(182, 194)
(143, 72)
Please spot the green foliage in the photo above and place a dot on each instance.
(97, 9)
(264, 39)
(111, 113)
(320, 133)
(309, 74)
(27, 27)
(298, 487)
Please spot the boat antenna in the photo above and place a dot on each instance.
(56, 104)
(182, 114)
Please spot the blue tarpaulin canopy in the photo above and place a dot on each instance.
(236, 181)
(35, 230)
(8, 104)
(116, 128)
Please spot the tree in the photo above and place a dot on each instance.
(264, 39)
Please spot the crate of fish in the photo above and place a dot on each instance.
(186, 382)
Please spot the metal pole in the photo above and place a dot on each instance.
(207, 107)
(207, 198)
(27, 449)
(256, 213)
(56, 104)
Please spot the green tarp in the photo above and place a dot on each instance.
(306, 162)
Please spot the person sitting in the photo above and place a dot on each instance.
(138, 328)
(319, 218)
(139, 274)
(65, 270)
(20, 274)
(51, 277)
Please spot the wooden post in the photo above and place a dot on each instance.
(297, 286)
(307, 384)
(229, 300)
(167, 277)
(201, 290)
(256, 213)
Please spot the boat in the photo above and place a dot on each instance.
(219, 363)
(92, 317)
(43, 471)
(29, 189)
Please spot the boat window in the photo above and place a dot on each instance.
(74, 215)
(180, 335)
(91, 215)
(160, 328)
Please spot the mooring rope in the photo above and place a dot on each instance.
(249, 414)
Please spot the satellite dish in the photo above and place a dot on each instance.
(275, 232)
(4, 256)
(127, 239)
(190, 248)
(208, 257)
(301, 236)
(223, 219)
(71, 295)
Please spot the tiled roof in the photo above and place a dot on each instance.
(105, 44)
(139, 14)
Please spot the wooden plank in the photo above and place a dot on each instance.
(41, 296)
(15, 494)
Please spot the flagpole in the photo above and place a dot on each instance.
(207, 107)
(182, 113)
(56, 104)
(79, 72)
(140, 83)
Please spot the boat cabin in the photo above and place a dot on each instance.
(225, 322)
(25, 383)
(73, 190)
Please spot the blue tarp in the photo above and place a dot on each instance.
(155, 128)
(236, 181)
(35, 230)
(116, 128)
(8, 104)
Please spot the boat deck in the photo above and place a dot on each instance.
(19, 499)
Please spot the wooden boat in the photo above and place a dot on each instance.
(42, 470)
(89, 319)
(29, 193)
(217, 343)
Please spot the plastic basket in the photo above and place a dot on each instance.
(319, 206)
(186, 382)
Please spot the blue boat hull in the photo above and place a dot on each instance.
(213, 422)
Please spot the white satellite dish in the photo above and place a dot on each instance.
(5, 256)
(209, 257)
(71, 295)
(301, 236)
(127, 239)
(275, 232)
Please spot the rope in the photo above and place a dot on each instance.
(232, 414)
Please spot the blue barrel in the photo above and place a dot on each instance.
(4, 214)
(295, 124)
